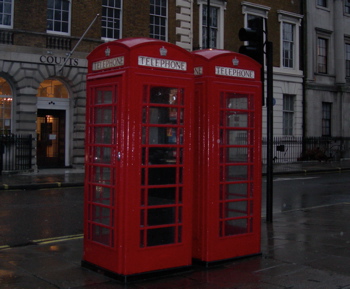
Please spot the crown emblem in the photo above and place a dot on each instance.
(235, 61)
(163, 51)
(108, 51)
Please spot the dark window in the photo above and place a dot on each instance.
(158, 19)
(322, 52)
(111, 19)
(288, 45)
(322, 3)
(326, 118)
(288, 114)
(58, 16)
(347, 6)
(213, 25)
(347, 59)
(5, 12)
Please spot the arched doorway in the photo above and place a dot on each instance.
(5, 106)
(52, 125)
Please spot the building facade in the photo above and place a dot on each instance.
(43, 62)
(327, 95)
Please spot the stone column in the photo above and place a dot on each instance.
(339, 49)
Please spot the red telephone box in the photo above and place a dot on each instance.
(227, 194)
(138, 186)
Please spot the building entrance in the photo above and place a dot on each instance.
(51, 138)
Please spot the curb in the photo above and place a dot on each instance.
(39, 186)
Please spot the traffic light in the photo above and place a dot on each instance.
(255, 38)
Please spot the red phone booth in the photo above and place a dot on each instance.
(138, 186)
(227, 194)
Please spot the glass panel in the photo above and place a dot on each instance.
(104, 97)
(101, 195)
(161, 196)
(164, 95)
(101, 235)
(236, 209)
(237, 119)
(235, 227)
(102, 155)
(236, 101)
(103, 115)
(162, 135)
(101, 215)
(235, 137)
(102, 175)
(161, 236)
(161, 176)
(236, 173)
(162, 156)
(236, 191)
(161, 216)
(162, 115)
(103, 135)
(236, 155)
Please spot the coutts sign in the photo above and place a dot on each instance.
(51, 59)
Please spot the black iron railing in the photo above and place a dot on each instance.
(15, 152)
(298, 149)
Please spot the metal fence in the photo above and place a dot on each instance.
(15, 152)
(299, 150)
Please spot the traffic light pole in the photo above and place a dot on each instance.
(269, 106)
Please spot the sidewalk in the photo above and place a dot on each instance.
(53, 178)
(47, 178)
(307, 248)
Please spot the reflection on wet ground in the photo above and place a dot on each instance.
(307, 248)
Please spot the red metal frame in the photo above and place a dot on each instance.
(227, 200)
(138, 186)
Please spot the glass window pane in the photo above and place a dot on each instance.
(161, 196)
(161, 176)
(103, 135)
(236, 191)
(161, 236)
(235, 209)
(102, 195)
(161, 216)
(102, 175)
(235, 227)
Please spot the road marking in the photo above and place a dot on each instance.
(58, 239)
(48, 241)
(294, 179)
(4, 247)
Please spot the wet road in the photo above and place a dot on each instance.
(293, 192)
(39, 214)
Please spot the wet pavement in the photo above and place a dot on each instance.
(307, 248)
(303, 248)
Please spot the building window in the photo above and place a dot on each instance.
(326, 118)
(52, 88)
(322, 3)
(6, 12)
(288, 45)
(322, 52)
(58, 16)
(290, 39)
(158, 19)
(347, 59)
(111, 19)
(288, 114)
(216, 25)
(213, 26)
(5, 106)
(347, 6)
